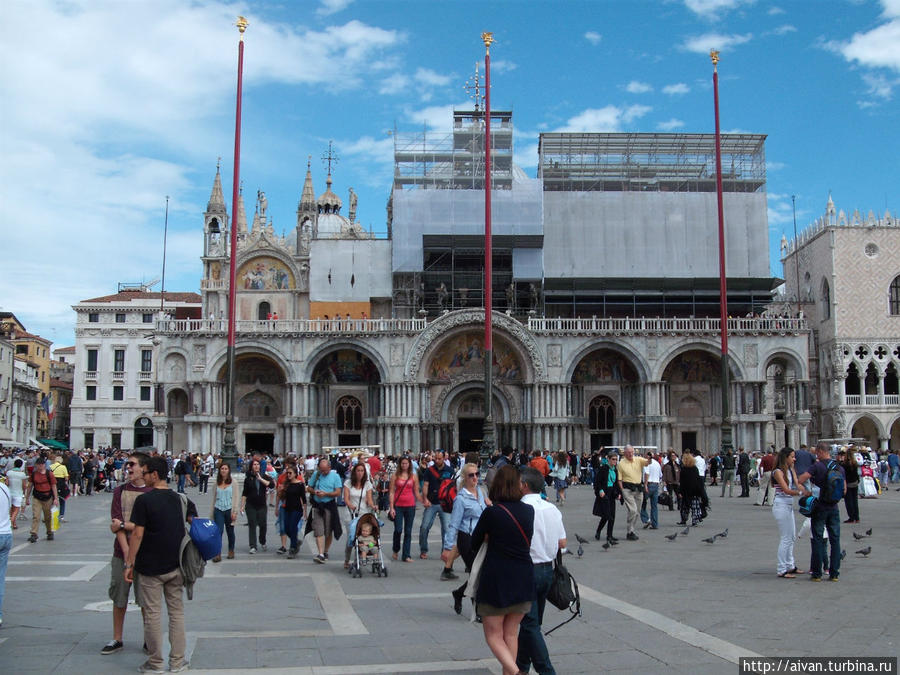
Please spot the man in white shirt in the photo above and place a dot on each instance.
(5, 539)
(548, 538)
(652, 480)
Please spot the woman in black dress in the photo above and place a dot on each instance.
(506, 582)
(606, 492)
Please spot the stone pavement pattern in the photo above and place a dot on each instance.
(650, 606)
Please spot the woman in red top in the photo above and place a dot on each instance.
(403, 495)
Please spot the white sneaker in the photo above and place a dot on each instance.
(252, 550)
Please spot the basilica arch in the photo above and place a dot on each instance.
(260, 394)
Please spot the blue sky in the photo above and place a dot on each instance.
(111, 106)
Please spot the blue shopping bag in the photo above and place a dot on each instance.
(206, 537)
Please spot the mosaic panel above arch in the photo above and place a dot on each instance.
(345, 365)
(253, 368)
(693, 366)
(463, 354)
(265, 273)
(604, 365)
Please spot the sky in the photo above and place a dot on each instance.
(108, 107)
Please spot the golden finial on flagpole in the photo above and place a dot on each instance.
(488, 39)
(242, 24)
(714, 57)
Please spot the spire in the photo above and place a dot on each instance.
(241, 213)
(308, 196)
(829, 207)
(216, 198)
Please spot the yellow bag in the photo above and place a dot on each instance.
(54, 518)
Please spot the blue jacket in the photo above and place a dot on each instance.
(467, 510)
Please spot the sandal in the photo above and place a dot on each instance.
(407, 560)
(346, 566)
(796, 571)
(787, 575)
(423, 556)
(395, 556)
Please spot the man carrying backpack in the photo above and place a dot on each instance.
(829, 477)
(434, 476)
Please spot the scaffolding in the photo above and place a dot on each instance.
(625, 162)
(455, 160)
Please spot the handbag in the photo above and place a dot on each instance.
(563, 593)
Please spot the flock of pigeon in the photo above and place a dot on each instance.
(721, 535)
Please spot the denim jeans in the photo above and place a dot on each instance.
(428, 520)
(5, 547)
(653, 499)
(223, 522)
(826, 518)
(181, 480)
(403, 523)
(291, 524)
(532, 648)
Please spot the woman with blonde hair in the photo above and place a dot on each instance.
(467, 509)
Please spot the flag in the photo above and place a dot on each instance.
(47, 405)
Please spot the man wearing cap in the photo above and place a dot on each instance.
(631, 483)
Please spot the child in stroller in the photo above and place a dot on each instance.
(367, 547)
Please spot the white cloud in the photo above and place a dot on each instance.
(436, 117)
(502, 66)
(593, 37)
(431, 78)
(329, 7)
(875, 50)
(670, 125)
(635, 87)
(701, 44)
(774, 11)
(774, 166)
(784, 29)
(394, 84)
(675, 89)
(607, 119)
(708, 9)
(112, 111)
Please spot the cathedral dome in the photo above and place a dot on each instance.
(329, 202)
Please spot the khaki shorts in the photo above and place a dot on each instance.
(321, 522)
(118, 587)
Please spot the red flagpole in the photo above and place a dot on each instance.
(488, 442)
(723, 286)
(229, 451)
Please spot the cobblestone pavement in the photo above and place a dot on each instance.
(650, 606)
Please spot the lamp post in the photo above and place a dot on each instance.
(229, 451)
(488, 442)
(726, 438)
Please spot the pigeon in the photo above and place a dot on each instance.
(866, 551)
(606, 546)
(685, 531)
(580, 550)
(710, 540)
(858, 536)
(843, 554)
(567, 552)
(580, 539)
(723, 534)
(869, 532)
(671, 537)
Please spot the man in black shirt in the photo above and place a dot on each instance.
(154, 553)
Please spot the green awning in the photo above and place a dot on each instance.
(54, 444)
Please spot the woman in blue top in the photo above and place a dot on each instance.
(467, 509)
(225, 506)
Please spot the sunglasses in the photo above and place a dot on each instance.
(471, 475)
(131, 463)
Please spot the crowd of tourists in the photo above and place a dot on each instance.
(511, 504)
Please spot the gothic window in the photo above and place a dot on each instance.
(895, 297)
(264, 310)
(349, 414)
(826, 300)
(602, 414)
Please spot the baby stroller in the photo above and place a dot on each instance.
(100, 481)
(370, 544)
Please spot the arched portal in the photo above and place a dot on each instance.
(143, 432)
(604, 380)
(467, 409)
(259, 392)
(348, 420)
(894, 439)
(866, 427)
(346, 390)
(693, 380)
